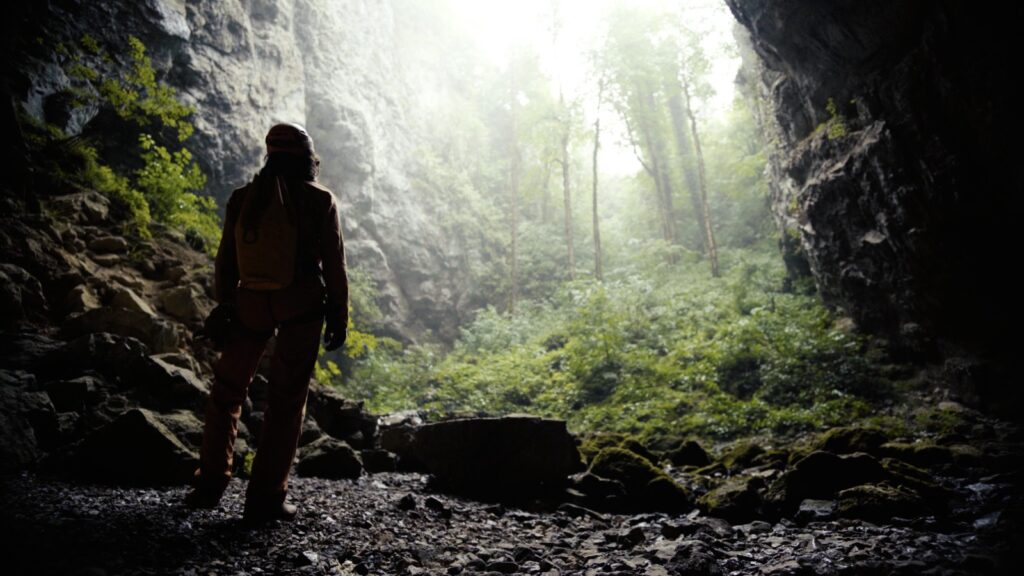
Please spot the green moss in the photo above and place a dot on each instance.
(847, 439)
(741, 455)
(633, 470)
(594, 443)
(647, 486)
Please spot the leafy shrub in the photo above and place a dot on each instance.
(165, 185)
(666, 354)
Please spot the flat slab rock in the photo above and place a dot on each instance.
(390, 524)
(517, 454)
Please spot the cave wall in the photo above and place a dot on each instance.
(332, 65)
(904, 216)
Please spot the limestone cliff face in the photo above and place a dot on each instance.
(899, 199)
(332, 65)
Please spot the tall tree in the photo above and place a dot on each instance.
(566, 191)
(712, 249)
(598, 271)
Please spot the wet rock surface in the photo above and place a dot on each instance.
(888, 162)
(390, 523)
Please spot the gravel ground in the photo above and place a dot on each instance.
(392, 523)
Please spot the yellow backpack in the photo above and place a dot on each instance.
(266, 236)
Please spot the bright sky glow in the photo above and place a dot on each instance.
(498, 26)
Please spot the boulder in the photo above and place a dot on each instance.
(27, 351)
(17, 378)
(158, 335)
(596, 491)
(648, 488)
(933, 455)
(76, 394)
(179, 359)
(88, 207)
(108, 245)
(329, 458)
(812, 510)
(689, 453)
(28, 425)
(340, 417)
(741, 455)
(737, 500)
(594, 443)
(127, 298)
(80, 299)
(183, 303)
(165, 386)
(135, 449)
(310, 431)
(502, 456)
(849, 439)
(185, 426)
(377, 460)
(114, 356)
(881, 502)
(400, 439)
(21, 297)
(821, 475)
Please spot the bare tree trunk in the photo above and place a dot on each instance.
(690, 176)
(567, 200)
(654, 169)
(545, 197)
(598, 272)
(513, 253)
(514, 191)
(706, 211)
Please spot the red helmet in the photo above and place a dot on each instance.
(288, 138)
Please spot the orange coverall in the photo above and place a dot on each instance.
(296, 313)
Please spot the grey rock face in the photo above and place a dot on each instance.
(332, 65)
(896, 200)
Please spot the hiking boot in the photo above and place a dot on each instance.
(206, 494)
(204, 497)
(265, 512)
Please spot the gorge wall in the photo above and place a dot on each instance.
(332, 65)
(899, 197)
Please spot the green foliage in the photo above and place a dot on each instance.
(836, 121)
(164, 183)
(137, 96)
(836, 126)
(169, 182)
(676, 353)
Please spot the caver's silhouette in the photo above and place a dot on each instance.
(280, 269)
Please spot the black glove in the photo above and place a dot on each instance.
(337, 329)
(220, 324)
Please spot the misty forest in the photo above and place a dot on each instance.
(694, 287)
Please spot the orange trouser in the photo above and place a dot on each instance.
(296, 313)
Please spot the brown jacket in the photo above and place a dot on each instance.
(321, 246)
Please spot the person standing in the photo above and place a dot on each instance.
(279, 271)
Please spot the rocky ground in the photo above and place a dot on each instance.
(392, 523)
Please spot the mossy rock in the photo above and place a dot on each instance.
(821, 475)
(662, 443)
(920, 480)
(647, 486)
(778, 459)
(931, 455)
(850, 439)
(737, 500)
(741, 455)
(593, 444)
(880, 502)
(689, 453)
